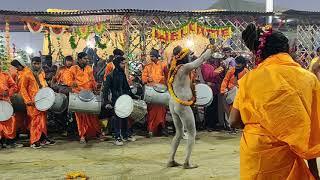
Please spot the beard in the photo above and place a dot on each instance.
(82, 65)
(36, 70)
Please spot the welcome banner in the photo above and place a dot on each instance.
(191, 27)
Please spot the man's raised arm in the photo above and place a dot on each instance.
(197, 63)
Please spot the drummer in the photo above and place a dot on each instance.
(231, 80)
(22, 119)
(58, 80)
(7, 128)
(116, 83)
(30, 83)
(234, 74)
(153, 73)
(80, 77)
(212, 72)
(110, 66)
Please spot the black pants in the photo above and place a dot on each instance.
(121, 127)
(211, 114)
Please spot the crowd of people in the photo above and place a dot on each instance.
(221, 72)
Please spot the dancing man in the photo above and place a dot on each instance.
(182, 94)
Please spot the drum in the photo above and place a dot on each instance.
(6, 111)
(18, 103)
(47, 99)
(204, 95)
(156, 95)
(125, 107)
(85, 102)
(231, 94)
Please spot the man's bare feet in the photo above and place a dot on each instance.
(173, 164)
(189, 166)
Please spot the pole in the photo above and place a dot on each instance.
(269, 8)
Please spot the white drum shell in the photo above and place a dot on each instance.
(126, 107)
(6, 110)
(139, 110)
(151, 96)
(47, 99)
(231, 95)
(204, 95)
(91, 107)
(60, 103)
(44, 99)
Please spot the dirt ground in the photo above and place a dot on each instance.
(216, 153)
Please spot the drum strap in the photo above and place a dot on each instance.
(199, 73)
(37, 79)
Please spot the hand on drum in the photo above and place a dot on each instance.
(219, 70)
(74, 85)
(98, 87)
(30, 104)
(108, 106)
(150, 79)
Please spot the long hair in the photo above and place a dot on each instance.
(275, 43)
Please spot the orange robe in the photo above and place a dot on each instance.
(156, 113)
(61, 75)
(230, 81)
(7, 128)
(109, 68)
(22, 119)
(28, 90)
(279, 103)
(88, 124)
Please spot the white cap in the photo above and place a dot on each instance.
(21, 61)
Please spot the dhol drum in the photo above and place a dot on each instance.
(6, 111)
(157, 94)
(125, 107)
(18, 103)
(204, 95)
(47, 99)
(85, 102)
(231, 94)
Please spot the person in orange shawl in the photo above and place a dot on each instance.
(278, 105)
(22, 119)
(229, 82)
(153, 73)
(80, 77)
(31, 82)
(316, 68)
(7, 128)
(231, 79)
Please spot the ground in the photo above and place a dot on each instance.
(216, 153)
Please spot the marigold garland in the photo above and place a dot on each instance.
(76, 175)
(171, 77)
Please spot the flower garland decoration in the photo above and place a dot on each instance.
(267, 31)
(34, 27)
(57, 31)
(99, 28)
(7, 36)
(76, 175)
(171, 76)
(83, 32)
(72, 42)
